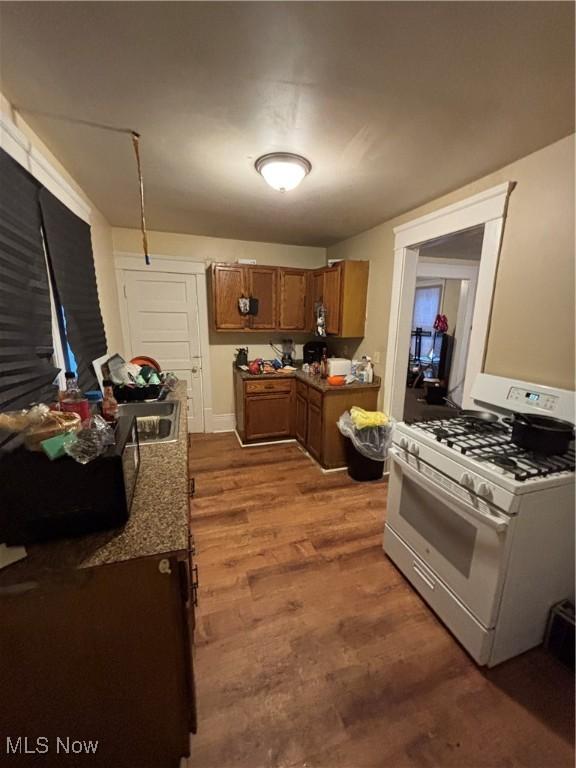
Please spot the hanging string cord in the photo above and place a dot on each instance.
(136, 145)
(114, 129)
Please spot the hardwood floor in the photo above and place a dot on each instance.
(314, 652)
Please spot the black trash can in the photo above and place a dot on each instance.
(359, 467)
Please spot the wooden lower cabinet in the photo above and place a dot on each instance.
(320, 435)
(268, 415)
(301, 423)
(102, 654)
(283, 408)
(314, 437)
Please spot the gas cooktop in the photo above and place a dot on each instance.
(491, 442)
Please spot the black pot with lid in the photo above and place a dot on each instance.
(541, 434)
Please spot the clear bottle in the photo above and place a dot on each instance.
(369, 371)
(109, 402)
(72, 399)
(72, 388)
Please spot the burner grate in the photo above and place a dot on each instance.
(491, 442)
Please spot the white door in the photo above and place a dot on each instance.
(162, 310)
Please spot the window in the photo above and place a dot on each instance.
(427, 305)
(49, 308)
(73, 280)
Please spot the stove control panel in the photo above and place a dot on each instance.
(541, 400)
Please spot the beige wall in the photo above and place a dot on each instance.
(532, 328)
(210, 249)
(100, 230)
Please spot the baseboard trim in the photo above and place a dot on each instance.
(223, 422)
(264, 442)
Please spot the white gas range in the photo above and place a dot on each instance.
(481, 528)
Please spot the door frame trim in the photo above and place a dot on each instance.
(487, 208)
(130, 262)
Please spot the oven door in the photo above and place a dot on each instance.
(461, 538)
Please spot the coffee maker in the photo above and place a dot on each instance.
(312, 352)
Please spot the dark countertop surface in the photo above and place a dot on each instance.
(313, 381)
(158, 521)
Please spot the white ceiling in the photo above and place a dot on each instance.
(393, 103)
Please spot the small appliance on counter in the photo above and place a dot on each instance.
(42, 499)
(241, 357)
(312, 352)
(287, 352)
(339, 366)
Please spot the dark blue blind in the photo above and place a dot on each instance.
(26, 369)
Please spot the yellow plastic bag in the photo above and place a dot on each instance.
(362, 418)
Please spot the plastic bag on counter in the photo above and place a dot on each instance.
(169, 381)
(91, 441)
(371, 442)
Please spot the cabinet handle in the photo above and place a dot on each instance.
(195, 585)
(192, 544)
(191, 487)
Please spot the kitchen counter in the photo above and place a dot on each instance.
(158, 521)
(313, 381)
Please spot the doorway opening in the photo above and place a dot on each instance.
(443, 306)
(485, 210)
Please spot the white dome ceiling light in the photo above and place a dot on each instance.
(283, 170)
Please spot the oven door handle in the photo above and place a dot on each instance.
(455, 504)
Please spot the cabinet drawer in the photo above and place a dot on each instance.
(301, 389)
(261, 386)
(315, 397)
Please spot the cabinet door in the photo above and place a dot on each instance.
(228, 285)
(314, 436)
(268, 416)
(315, 296)
(292, 299)
(332, 299)
(125, 638)
(301, 419)
(262, 285)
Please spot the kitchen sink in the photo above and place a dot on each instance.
(156, 422)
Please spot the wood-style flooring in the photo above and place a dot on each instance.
(312, 651)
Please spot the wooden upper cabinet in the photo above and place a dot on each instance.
(287, 297)
(332, 299)
(262, 285)
(353, 294)
(293, 289)
(315, 297)
(228, 285)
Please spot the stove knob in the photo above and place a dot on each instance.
(403, 443)
(466, 481)
(415, 449)
(484, 490)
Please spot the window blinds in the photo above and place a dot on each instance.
(69, 248)
(26, 370)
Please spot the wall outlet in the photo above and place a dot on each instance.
(376, 357)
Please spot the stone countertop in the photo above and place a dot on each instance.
(314, 381)
(158, 522)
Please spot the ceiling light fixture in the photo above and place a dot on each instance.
(283, 170)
